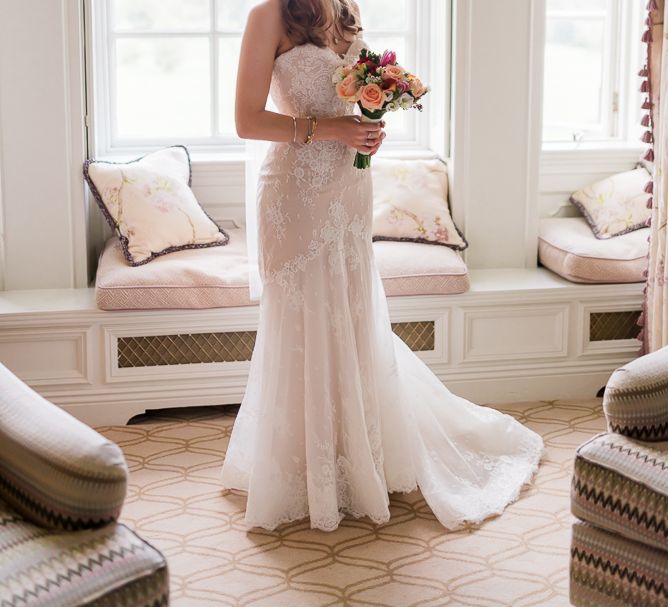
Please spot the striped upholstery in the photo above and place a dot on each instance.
(106, 567)
(55, 470)
(608, 570)
(619, 492)
(636, 398)
(621, 485)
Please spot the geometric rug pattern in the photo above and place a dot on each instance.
(176, 501)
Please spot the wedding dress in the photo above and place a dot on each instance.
(338, 411)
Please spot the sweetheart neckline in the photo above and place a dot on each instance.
(337, 55)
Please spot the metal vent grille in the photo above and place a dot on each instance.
(229, 346)
(605, 326)
(418, 335)
(184, 349)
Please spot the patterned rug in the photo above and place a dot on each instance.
(175, 501)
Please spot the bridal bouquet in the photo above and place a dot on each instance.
(378, 85)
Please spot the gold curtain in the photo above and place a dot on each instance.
(654, 334)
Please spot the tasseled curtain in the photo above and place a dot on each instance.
(654, 317)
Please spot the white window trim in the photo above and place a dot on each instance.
(617, 81)
(431, 132)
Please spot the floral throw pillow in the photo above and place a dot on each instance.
(615, 205)
(410, 202)
(150, 206)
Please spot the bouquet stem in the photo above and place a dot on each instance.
(363, 161)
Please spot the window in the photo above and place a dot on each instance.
(163, 71)
(592, 56)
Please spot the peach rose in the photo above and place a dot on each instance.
(372, 97)
(396, 72)
(347, 89)
(417, 87)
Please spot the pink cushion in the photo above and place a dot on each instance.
(218, 276)
(194, 278)
(568, 247)
(411, 268)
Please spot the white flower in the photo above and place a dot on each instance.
(389, 95)
(338, 75)
(405, 101)
(392, 106)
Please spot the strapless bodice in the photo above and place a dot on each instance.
(301, 81)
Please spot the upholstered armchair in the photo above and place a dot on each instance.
(619, 494)
(62, 487)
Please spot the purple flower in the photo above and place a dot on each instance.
(403, 86)
(389, 57)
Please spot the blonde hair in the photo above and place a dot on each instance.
(308, 20)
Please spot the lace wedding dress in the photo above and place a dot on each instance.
(338, 411)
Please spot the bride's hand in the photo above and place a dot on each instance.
(365, 137)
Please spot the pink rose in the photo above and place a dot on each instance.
(372, 97)
(348, 88)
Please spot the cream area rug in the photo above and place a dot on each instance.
(175, 500)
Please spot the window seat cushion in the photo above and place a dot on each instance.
(218, 276)
(567, 246)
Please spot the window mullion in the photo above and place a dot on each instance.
(213, 55)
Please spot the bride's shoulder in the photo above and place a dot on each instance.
(267, 8)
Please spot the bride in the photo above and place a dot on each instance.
(338, 411)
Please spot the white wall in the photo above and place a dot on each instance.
(41, 146)
(497, 71)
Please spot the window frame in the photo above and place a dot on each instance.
(621, 51)
(432, 54)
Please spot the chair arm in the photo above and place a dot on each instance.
(635, 401)
(55, 470)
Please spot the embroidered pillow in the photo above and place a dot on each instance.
(150, 206)
(615, 205)
(410, 202)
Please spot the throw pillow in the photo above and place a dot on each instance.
(410, 202)
(150, 206)
(615, 205)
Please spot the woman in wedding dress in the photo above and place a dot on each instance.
(338, 411)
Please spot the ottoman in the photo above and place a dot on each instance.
(619, 494)
(62, 487)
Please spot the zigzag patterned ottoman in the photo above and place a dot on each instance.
(619, 548)
(106, 567)
(608, 570)
(636, 398)
(62, 487)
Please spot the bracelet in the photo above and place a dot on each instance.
(315, 124)
(294, 124)
(309, 134)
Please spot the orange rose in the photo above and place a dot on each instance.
(347, 89)
(417, 88)
(396, 72)
(372, 97)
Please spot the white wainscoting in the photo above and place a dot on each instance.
(516, 335)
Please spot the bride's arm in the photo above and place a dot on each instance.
(259, 45)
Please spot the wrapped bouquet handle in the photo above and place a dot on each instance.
(378, 85)
(362, 159)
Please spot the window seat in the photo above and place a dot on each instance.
(568, 247)
(218, 276)
(516, 334)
